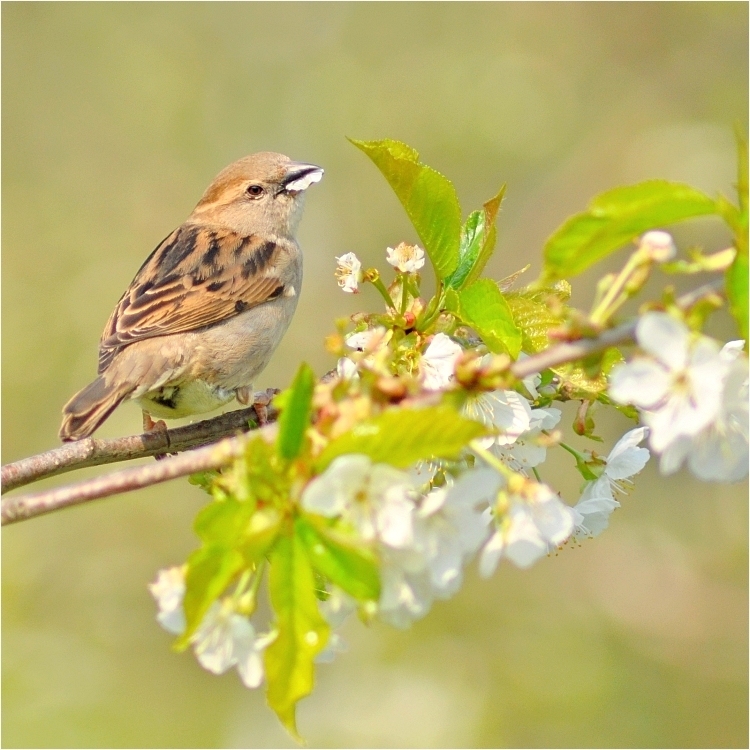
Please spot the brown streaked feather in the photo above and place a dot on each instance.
(197, 276)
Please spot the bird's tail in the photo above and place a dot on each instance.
(90, 407)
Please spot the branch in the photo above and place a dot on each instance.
(213, 456)
(94, 452)
(27, 506)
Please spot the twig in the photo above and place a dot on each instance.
(27, 506)
(94, 452)
(22, 507)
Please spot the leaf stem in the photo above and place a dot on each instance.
(380, 286)
(617, 294)
(578, 455)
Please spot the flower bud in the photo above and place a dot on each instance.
(657, 246)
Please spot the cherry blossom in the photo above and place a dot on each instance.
(678, 387)
(534, 523)
(598, 501)
(438, 362)
(405, 258)
(348, 272)
(374, 498)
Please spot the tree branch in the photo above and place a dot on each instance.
(210, 457)
(22, 507)
(95, 452)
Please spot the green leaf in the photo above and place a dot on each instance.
(737, 274)
(223, 521)
(478, 237)
(401, 437)
(484, 308)
(534, 319)
(210, 570)
(616, 218)
(303, 632)
(588, 379)
(351, 567)
(296, 413)
(737, 292)
(429, 199)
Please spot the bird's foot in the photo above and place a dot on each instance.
(155, 427)
(261, 401)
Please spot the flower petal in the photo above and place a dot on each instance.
(665, 338)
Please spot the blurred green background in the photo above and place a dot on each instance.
(116, 116)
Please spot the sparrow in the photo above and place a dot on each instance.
(207, 309)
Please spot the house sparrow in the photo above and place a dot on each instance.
(209, 306)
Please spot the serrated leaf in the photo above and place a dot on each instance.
(303, 632)
(616, 218)
(209, 571)
(486, 310)
(478, 237)
(534, 319)
(296, 413)
(429, 199)
(401, 437)
(578, 382)
(351, 567)
(450, 301)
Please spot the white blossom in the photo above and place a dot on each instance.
(592, 515)
(169, 591)
(678, 388)
(527, 450)
(719, 452)
(438, 362)
(335, 609)
(598, 501)
(658, 246)
(506, 411)
(533, 524)
(346, 369)
(450, 526)
(348, 272)
(369, 340)
(406, 593)
(625, 460)
(405, 258)
(226, 639)
(375, 499)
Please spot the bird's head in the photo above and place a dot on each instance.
(261, 193)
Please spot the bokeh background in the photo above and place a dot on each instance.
(116, 116)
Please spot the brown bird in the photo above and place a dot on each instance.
(209, 306)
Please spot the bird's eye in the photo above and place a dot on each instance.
(255, 191)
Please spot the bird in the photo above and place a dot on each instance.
(209, 306)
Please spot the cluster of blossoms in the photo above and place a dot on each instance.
(426, 524)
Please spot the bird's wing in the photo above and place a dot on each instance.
(196, 277)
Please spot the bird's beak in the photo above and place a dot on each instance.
(300, 176)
